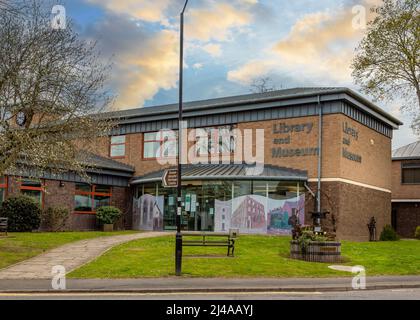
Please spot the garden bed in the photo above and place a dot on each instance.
(316, 251)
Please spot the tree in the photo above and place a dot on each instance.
(387, 59)
(262, 85)
(51, 85)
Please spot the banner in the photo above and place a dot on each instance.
(259, 215)
(148, 213)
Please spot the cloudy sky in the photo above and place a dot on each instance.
(228, 44)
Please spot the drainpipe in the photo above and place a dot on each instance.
(319, 155)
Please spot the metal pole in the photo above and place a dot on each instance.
(178, 239)
(319, 158)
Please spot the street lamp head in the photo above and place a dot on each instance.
(185, 6)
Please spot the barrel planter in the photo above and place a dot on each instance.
(316, 251)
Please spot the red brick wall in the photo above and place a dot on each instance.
(351, 208)
(399, 190)
(408, 218)
(56, 196)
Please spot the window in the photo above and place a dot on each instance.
(90, 197)
(410, 173)
(161, 144)
(3, 188)
(215, 141)
(117, 149)
(33, 188)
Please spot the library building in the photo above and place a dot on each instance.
(254, 162)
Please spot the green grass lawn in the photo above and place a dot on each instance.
(255, 256)
(20, 246)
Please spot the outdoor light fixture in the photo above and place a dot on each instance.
(178, 239)
(61, 184)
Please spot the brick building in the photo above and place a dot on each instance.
(331, 137)
(406, 189)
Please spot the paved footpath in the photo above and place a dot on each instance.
(71, 256)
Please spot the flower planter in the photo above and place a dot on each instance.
(316, 251)
(108, 227)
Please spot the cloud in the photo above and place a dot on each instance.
(197, 65)
(319, 45)
(144, 63)
(252, 70)
(215, 50)
(216, 22)
(147, 10)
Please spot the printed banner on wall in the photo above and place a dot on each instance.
(148, 213)
(259, 214)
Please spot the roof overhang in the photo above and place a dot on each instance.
(224, 172)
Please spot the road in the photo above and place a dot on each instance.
(395, 294)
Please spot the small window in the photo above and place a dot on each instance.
(117, 149)
(3, 188)
(161, 144)
(32, 188)
(410, 174)
(88, 198)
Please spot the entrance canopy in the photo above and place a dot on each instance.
(228, 172)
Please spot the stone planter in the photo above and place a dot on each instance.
(316, 251)
(108, 227)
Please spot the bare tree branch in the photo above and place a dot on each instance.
(57, 80)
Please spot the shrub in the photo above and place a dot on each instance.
(308, 236)
(54, 218)
(108, 215)
(388, 234)
(23, 212)
(417, 233)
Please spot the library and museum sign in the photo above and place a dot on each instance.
(351, 134)
(285, 139)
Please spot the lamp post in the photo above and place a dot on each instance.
(178, 239)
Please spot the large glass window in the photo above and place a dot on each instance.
(281, 190)
(33, 188)
(3, 188)
(88, 198)
(242, 188)
(161, 144)
(411, 173)
(117, 149)
(215, 141)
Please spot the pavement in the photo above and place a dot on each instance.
(183, 298)
(207, 285)
(71, 256)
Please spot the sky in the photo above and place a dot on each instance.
(228, 44)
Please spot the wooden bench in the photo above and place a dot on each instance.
(204, 241)
(3, 225)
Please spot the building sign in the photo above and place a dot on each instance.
(287, 133)
(170, 178)
(351, 134)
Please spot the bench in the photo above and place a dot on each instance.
(204, 241)
(3, 225)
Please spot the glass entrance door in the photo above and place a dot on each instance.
(199, 208)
